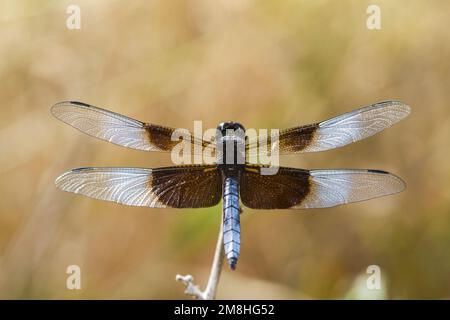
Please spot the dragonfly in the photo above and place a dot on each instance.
(233, 182)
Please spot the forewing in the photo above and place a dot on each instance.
(339, 131)
(119, 129)
(302, 189)
(175, 187)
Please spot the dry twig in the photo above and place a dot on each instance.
(210, 292)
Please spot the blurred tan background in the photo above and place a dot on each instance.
(266, 64)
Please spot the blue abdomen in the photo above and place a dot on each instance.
(231, 224)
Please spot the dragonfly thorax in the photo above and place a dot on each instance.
(230, 139)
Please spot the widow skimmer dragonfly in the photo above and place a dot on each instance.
(200, 186)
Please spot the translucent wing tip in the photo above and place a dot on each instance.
(54, 109)
(397, 184)
(61, 180)
(342, 186)
(402, 108)
(58, 107)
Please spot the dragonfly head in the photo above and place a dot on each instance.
(229, 125)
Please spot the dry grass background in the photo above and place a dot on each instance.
(263, 63)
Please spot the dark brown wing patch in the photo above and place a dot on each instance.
(286, 189)
(297, 139)
(290, 140)
(187, 186)
(160, 137)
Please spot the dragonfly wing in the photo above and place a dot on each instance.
(175, 187)
(121, 130)
(302, 189)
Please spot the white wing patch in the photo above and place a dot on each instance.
(104, 124)
(335, 187)
(356, 125)
(130, 186)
